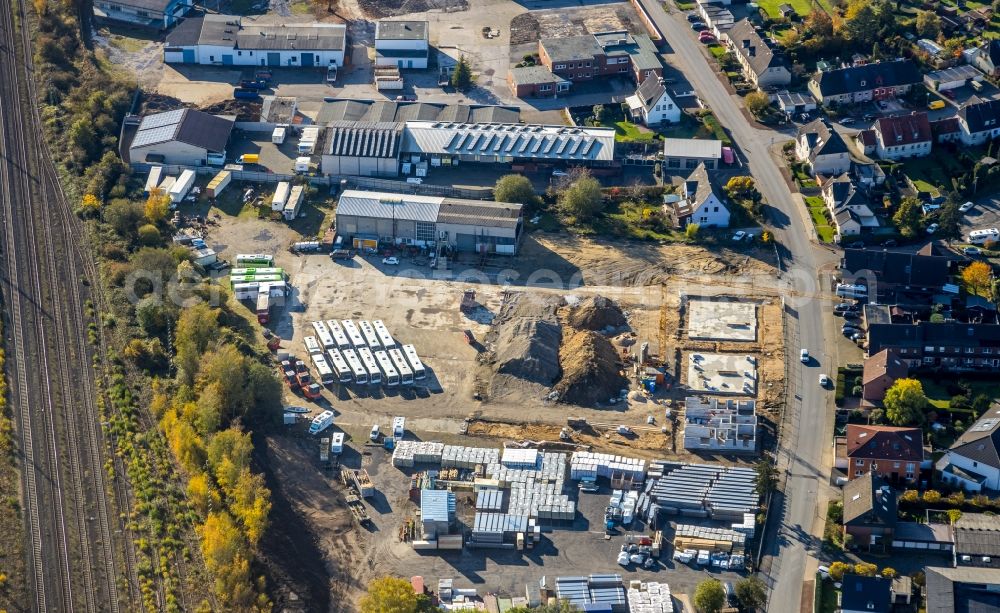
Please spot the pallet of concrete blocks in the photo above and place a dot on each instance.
(402, 455)
(520, 458)
(607, 464)
(427, 452)
(456, 456)
(748, 527)
(649, 597)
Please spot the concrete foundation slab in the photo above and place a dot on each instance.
(721, 320)
(722, 374)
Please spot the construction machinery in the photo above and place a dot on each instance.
(468, 300)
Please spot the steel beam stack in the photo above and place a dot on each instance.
(703, 490)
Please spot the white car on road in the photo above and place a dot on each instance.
(739, 236)
(391, 261)
(804, 355)
(965, 208)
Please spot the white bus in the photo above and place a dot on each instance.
(368, 332)
(254, 259)
(383, 334)
(419, 372)
(978, 237)
(326, 376)
(323, 334)
(257, 271)
(360, 374)
(391, 377)
(374, 374)
(405, 372)
(312, 345)
(339, 338)
(339, 365)
(357, 341)
(321, 422)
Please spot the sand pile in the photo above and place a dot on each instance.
(591, 370)
(525, 339)
(596, 313)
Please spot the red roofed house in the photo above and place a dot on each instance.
(866, 141)
(881, 371)
(902, 136)
(892, 453)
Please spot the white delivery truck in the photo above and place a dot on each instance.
(182, 186)
(398, 427)
(321, 422)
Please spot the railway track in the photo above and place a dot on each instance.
(72, 550)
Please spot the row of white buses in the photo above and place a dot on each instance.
(365, 354)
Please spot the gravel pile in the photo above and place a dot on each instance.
(525, 337)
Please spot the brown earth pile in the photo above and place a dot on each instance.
(591, 370)
(596, 313)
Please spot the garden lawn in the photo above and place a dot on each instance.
(716, 50)
(930, 172)
(628, 132)
(817, 211)
(802, 7)
(940, 398)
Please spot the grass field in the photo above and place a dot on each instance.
(930, 172)
(802, 7)
(940, 399)
(626, 131)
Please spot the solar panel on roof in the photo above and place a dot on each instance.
(155, 135)
(161, 119)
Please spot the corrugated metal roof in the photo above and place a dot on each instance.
(436, 505)
(510, 140)
(364, 139)
(473, 213)
(407, 207)
(314, 36)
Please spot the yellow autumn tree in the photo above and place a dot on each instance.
(89, 204)
(389, 595)
(203, 496)
(251, 504)
(228, 559)
(157, 206)
(184, 441)
(978, 278)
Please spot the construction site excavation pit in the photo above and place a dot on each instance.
(721, 320)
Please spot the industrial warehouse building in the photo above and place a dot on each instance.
(224, 40)
(185, 136)
(403, 44)
(362, 148)
(471, 226)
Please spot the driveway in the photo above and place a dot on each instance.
(805, 453)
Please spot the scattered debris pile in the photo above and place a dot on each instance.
(591, 369)
(525, 337)
(596, 313)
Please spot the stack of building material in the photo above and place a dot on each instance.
(649, 597)
(453, 456)
(437, 512)
(520, 458)
(748, 526)
(542, 501)
(596, 589)
(733, 494)
(550, 468)
(498, 530)
(703, 490)
(489, 500)
(687, 536)
(587, 466)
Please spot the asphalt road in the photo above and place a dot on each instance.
(804, 451)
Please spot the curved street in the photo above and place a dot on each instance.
(805, 458)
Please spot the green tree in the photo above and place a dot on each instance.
(905, 402)
(691, 232)
(907, 217)
(742, 188)
(123, 217)
(757, 102)
(767, 477)
(196, 328)
(389, 595)
(461, 77)
(515, 188)
(598, 112)
(862, 28)
(954, 515)
(582, 199)
(928, 24)
(709, 596)
(83, 139)
(751, 592)
(889, 572)
(149, 235)
(819, 24)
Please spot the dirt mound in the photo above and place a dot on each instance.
(392, 8)
(596, 313)
(244, 110)
(591, 370)
(525, 338)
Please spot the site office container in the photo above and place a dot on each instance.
(371, 365)
(326, 376)
(339, 365)
(357, 368)
(389, 373)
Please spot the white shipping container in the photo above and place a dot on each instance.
(153, 180)
(280, 196)
(182, 186)
(278, 136)
(295, 197)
